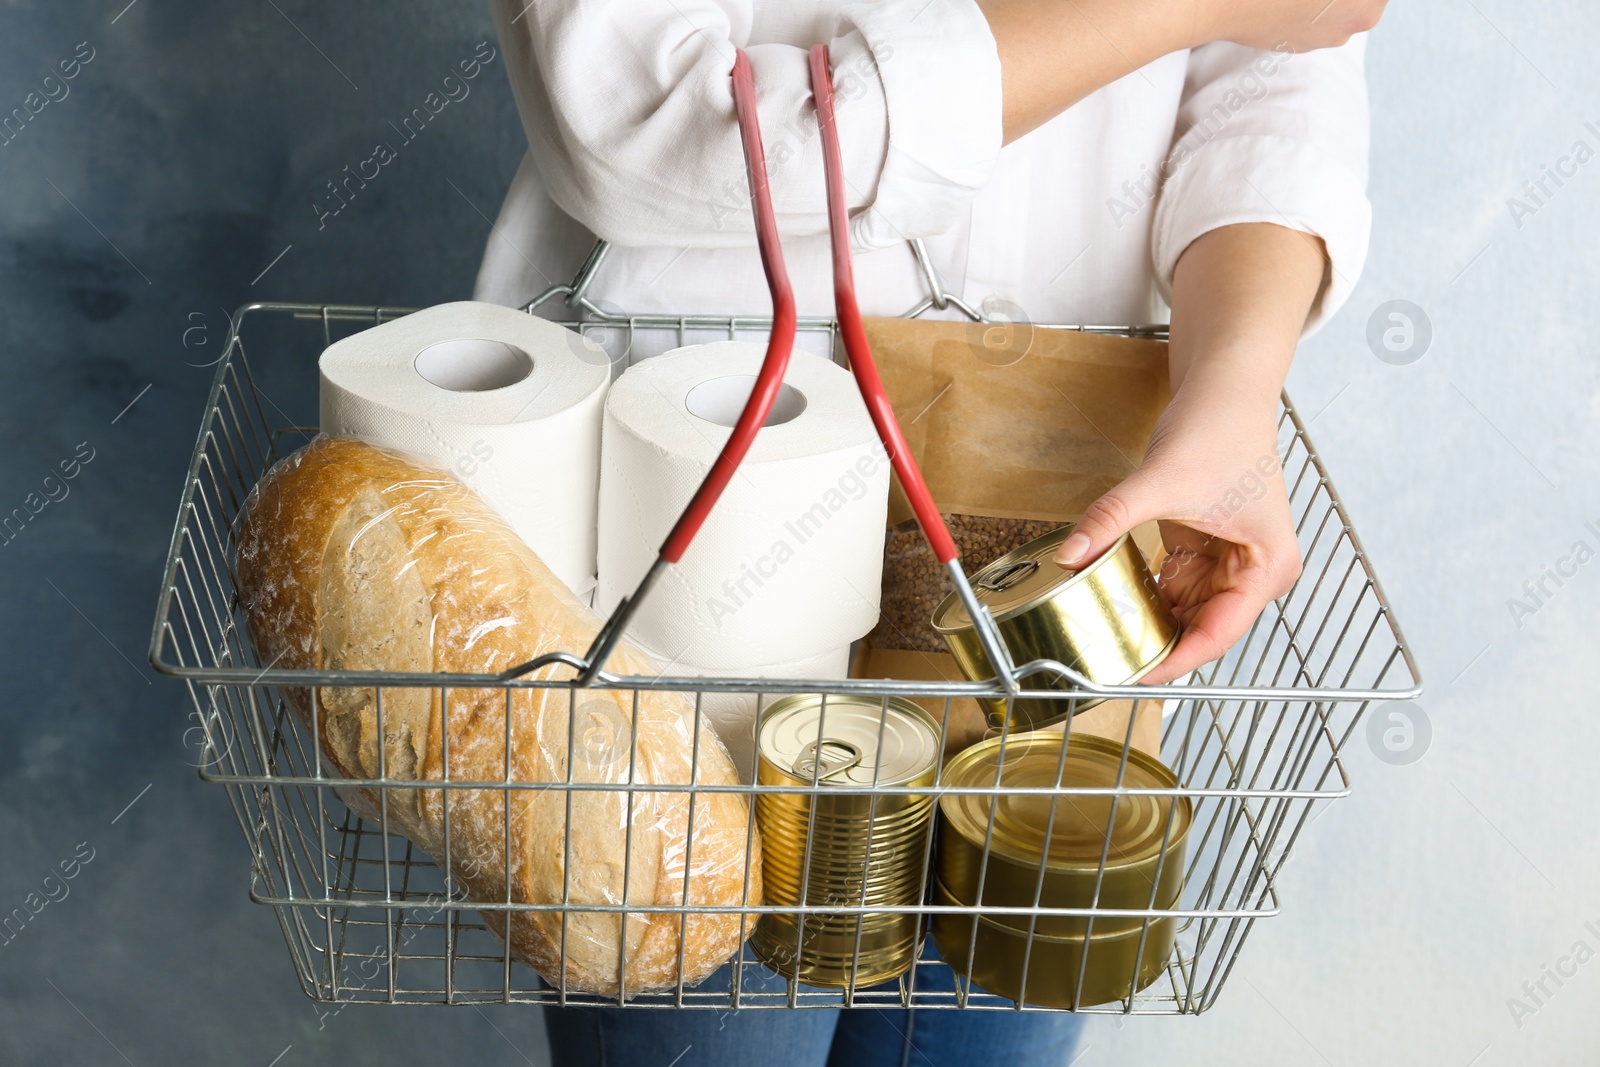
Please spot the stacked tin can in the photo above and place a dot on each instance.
(1008, 849)
(836, 843)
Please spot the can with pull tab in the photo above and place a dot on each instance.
(840, 843)
(1106, 620)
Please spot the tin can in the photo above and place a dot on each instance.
(864, 848)
(1010, 849)
(1107, 621)
(991, 954)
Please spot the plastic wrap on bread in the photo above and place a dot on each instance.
(351, 557)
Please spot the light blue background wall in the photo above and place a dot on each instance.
(195, 142)
(1414, 909)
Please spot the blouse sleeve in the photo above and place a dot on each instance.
(1266, 136)
(630, 117)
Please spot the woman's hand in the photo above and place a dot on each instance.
(1294, 25)
(1110, 39)
(1211, 474)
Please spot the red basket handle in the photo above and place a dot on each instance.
(854, 334)
(780, 344)
(856, 347)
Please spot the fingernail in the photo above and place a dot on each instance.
(1072, 549)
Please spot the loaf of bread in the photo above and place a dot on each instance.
(351, 557)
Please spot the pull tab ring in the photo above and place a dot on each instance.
(836, 758)
(999, 579)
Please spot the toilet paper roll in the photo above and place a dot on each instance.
(789, 562)
(733, 715)
(511, 403)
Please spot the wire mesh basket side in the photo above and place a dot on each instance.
(369, 918)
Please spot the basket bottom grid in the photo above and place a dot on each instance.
(410, 939)
(371, 919)
(454, 959)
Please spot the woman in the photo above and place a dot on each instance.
(1078, 159)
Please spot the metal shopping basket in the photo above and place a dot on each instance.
(1253, 740)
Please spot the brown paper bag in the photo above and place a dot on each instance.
(1017, 429)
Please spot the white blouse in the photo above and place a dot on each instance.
(632, 137)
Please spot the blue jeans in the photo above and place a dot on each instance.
(809, 1037)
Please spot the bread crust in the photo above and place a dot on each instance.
(353, 557)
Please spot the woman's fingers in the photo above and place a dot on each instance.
(1219, 575)
(1242, 581)
(1216, 625)
(1127, 505)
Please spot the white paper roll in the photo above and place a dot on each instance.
(511, 403)
(788, 564)
(733, 715)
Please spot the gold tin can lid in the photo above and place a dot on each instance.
(863, 741)
(1078, 834)
(1021, 579)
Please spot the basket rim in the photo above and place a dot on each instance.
(588, 314)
